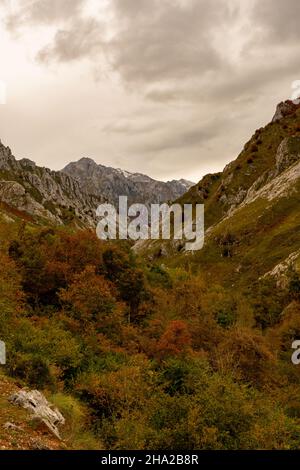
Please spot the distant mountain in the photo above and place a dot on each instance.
(72, 195)
(111, 183)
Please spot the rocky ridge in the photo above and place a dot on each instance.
(73, 195)
(112, 183)
(43, 194)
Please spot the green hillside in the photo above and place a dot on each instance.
(251, 211)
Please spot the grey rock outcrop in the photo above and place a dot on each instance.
(44, 194)
(285, 109)
(288, 153)
(40, 409)
(11, 427)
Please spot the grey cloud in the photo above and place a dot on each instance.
(170, 41)
(28, 12)
(83, 39)
(184, 136)
(198, 93)
(132, 9)
(154, 41)
(130, 128)
(279, 21)
(244, 85)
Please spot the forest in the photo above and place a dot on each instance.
(138, 354)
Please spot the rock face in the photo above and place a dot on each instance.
(288, 153)
(40, 409)
(284, 109)
(11, 427)
(280, 180)
(279, 272)
(44, 194)
(112, 183)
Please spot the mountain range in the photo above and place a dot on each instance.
(73, 194)
(251, 208)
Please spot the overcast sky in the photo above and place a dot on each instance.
(170, 88)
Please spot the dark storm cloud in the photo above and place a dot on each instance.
(153, 41)
(167, 48)
(166, 40)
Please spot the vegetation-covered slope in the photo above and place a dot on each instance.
(251, 210)
(137, 356)
(257, 163)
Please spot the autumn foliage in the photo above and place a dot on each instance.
(145, 356)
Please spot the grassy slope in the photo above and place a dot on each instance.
(257, 157)
(259, 235)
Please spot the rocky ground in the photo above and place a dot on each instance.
(18, 431)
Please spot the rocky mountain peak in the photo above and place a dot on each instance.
(87, 162)
(6, 157)
(26, 163)
(112, 183)
(285, 108)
